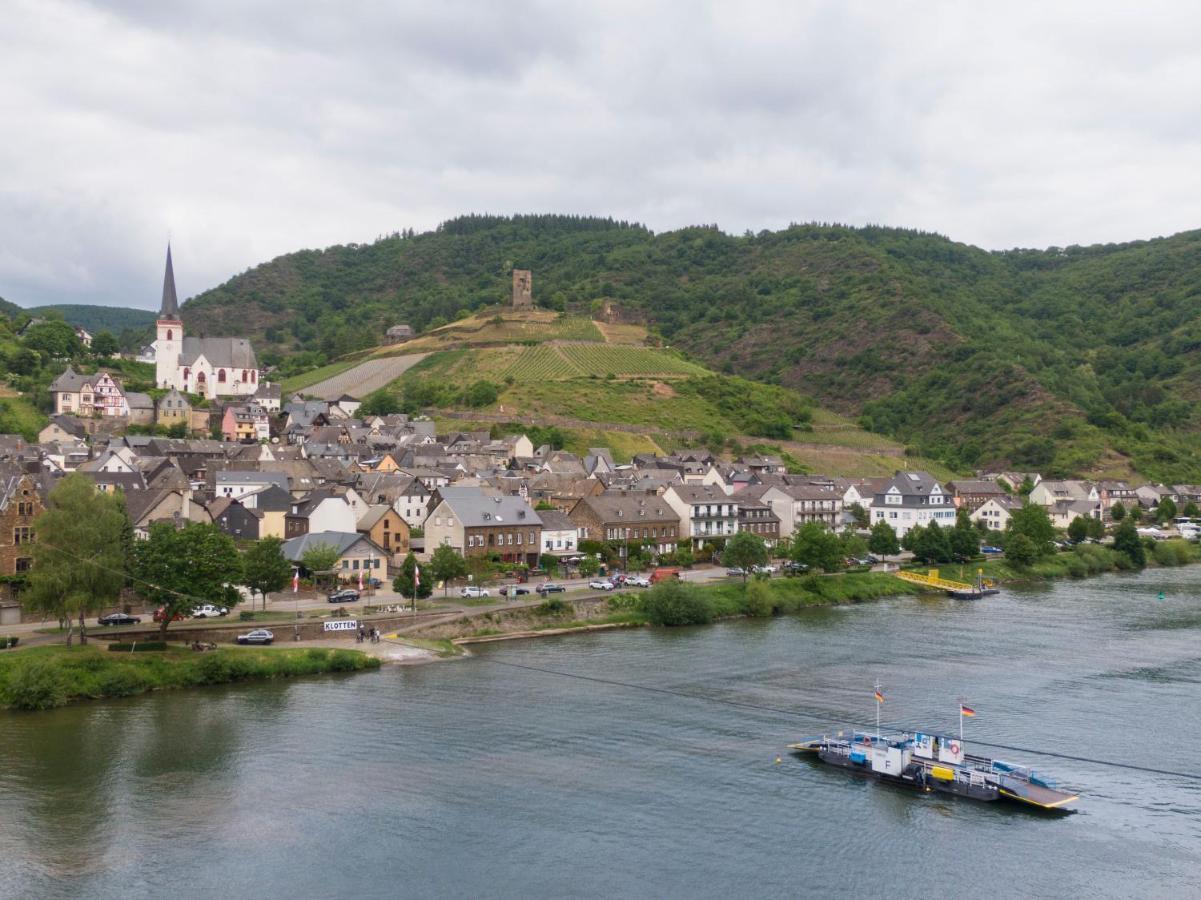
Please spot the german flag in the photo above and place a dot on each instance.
(965, 710)
(879, 697)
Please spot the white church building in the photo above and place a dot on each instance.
(211, 367)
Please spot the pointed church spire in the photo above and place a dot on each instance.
(170, 309)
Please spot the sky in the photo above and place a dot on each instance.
(244, 129)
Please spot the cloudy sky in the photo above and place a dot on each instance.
(244, 129)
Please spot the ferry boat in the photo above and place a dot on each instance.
(934, 762)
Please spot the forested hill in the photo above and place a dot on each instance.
(95, 319)
(8, 309)
(1076, 360)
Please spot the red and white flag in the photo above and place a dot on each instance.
(360, 579)
(295, 580)
(416, 576)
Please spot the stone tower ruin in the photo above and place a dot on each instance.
(523, 289)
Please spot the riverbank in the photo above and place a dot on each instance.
(48, 677)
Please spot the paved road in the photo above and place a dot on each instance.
(365, 377)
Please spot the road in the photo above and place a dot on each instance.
(364, 378)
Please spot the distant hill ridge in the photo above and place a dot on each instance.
(1080, 360)
(114, 319)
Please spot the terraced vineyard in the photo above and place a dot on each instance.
(542, 363)
(601, 359)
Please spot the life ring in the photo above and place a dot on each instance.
(955, 747)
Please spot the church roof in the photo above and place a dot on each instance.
(170, 307)
(229, 353)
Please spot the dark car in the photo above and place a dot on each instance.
(119, 618)
(795, 568)
(550, 587)
(346, 595)
(258, 636)
(514, 591)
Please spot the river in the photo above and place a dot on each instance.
(479, 778)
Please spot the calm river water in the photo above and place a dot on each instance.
(477, 778)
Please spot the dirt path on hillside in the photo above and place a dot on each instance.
(365, 377)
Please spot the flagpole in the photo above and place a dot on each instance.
(961, 722)
(878, 705)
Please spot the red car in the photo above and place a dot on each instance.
(161, 613)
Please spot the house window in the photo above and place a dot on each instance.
(170, 335)
(221, 376)
(200, 379)
(244, 378)
(24, 509)
(254, 376)
(346, 564)
(532, 540)
(23, 534)
(24, 563)
(354, 564)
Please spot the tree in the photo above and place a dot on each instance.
(816, 547)
(589, 566)
(78, 556)
(883, 540)
(403, 583)
(1020, 550)
(1033, 522)
(1166, 510)
(933, 545)
(105, 345)
(671, 602)
(1026, 486)
(852, 545)
(1127, 541)
(319, 560)
(1117, 512)
(56, 338)
(744, 550)
(380, 403)
(859, 513)
(1077, 529)
(1191, 510)
(965, 543)
(1096, 528)
(264, 568)
(446, 564)
(177, 569)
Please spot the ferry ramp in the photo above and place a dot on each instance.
(934, 580)
(364, 378)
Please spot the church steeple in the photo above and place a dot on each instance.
(170, 308)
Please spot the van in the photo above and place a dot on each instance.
(662, 574)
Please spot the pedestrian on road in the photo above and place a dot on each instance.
(360, 640)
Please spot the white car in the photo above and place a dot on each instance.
(764, 570)
(601, 585)
(638, 581)
(208, 611)
(474, 593)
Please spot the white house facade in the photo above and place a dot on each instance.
(913, 499)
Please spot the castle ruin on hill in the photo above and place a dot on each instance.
(523, 289)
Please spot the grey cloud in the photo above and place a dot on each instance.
(249, 129)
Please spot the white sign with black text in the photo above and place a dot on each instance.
(342, 625)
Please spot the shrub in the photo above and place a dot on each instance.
(759, 602)
(38, 684)
(553, 606)
(246, 616)
(1172, 553)
(122, 682)
(672, 603)
(9, 641)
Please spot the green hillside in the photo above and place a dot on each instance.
(1076, 360)
(9, 309)
(113, 319)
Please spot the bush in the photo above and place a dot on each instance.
(122, 682)
(553, 606)
(8, 642)
(138, 647)
(759, 602)
(38, 684)
(246, 616)
(1172, 553)
(672, 603)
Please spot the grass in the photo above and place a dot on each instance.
(307, 379)
(46, 677)
(443, 647)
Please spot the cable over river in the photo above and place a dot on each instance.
(643, 763)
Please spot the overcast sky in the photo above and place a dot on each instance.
(246, 129)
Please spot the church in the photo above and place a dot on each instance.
(211, 367)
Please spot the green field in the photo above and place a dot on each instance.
(306, 379)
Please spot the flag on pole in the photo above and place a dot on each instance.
(295, 580)
(416, 576)
(879, 696)
(966, 710)
(360, 579)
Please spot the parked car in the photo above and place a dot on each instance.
(549, 587)
(258, 636)
(664, 572)
(161, 613)
(795, 568)
(119, 618)
(617, 579)
(209, 611)
(764, 570)
(473, 592)
(735, 571)
(514, 591)
(346, 595)
(988, 549)
(638, 581)
(600, 585)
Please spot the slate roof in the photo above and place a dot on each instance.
(229, 353)
(295, 548)
(475, 509)
(170, 305)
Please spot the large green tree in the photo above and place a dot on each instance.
(105, 345)
(1165, 512)
(447, 564)
(319, 561)
(744, 550)
(1032, 521)
(178, 569)
(264, 568)
(1126, 540)
(816, 547)
(883, 540)
(78, 553)
(965, 540)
